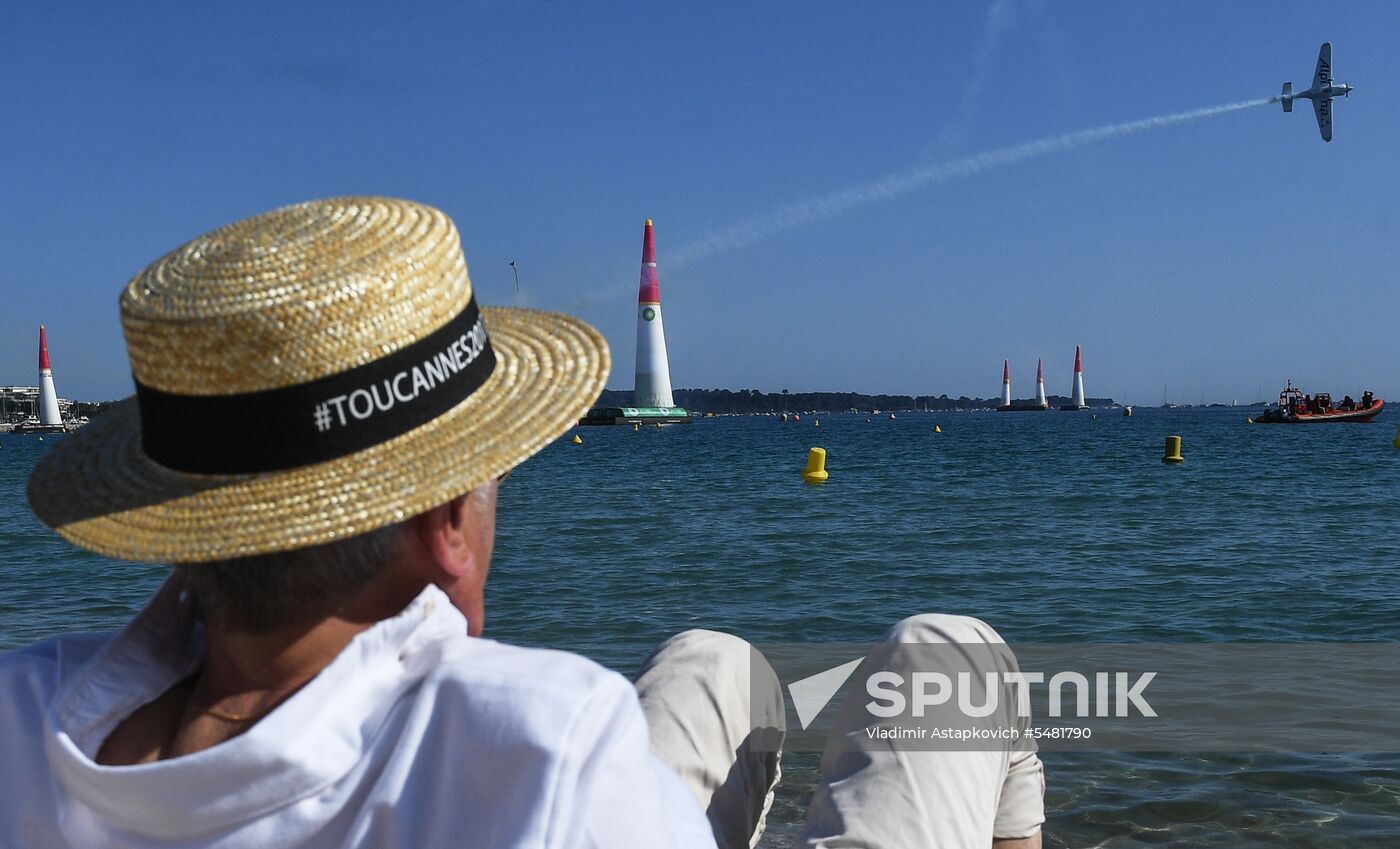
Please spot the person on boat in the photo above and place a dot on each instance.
(1367, 399)
(323, 417)
(1348, 404)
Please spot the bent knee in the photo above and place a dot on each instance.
(708, 656)
(699, 642)
(713, 667)
(941, 628)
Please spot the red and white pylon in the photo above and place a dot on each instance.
(48, 398)
(653, 382)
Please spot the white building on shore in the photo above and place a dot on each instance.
(21, 403)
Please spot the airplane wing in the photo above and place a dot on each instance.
(1323, 77)
(1323, 107)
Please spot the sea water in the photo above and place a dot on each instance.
(1052, 527)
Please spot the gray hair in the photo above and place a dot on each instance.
(267, 592)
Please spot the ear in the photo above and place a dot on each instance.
(457, 539)
(445, 535)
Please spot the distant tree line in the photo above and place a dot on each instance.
(91, 409)
(721, 401)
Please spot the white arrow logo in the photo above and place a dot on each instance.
(811, 694)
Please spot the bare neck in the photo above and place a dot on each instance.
(244, 677)
(238, 663)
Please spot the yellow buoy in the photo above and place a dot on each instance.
(577, 440)
(816, 466)
(1127, 412)
(636, 427)
(937, 429)
(1172, 452)
(1249, 421)
(816, 423)
(1396, 443)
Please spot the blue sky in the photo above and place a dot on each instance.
(1215, 258)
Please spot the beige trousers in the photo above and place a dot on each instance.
(702, 709)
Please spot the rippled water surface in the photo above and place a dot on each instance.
(1052, 527)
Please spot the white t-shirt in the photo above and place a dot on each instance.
(415, 736)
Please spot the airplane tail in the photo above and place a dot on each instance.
(1287, 97)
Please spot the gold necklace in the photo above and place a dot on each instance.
(228, 716)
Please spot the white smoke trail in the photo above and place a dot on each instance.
(831, 205)
(1001, 19)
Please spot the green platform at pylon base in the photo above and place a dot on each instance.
(32, 427)
(636, 415)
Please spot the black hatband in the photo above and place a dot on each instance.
(329, 417)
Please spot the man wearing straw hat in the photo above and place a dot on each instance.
(322, 416)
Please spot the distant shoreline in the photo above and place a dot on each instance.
(722, 401)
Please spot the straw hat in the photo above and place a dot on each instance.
(306, 375)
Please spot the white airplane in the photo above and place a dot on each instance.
(1320, 94)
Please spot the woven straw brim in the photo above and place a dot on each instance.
(99, 490)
